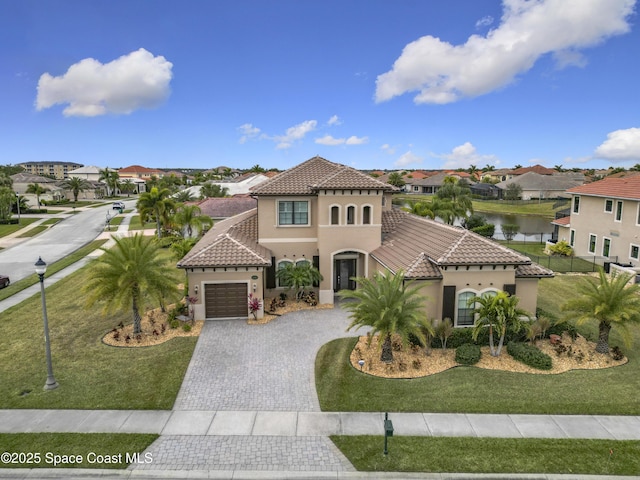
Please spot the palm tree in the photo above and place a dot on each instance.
(76, 185)
(128, 186)
(37, 190)
(497, 312)
(422, 209)
(188, 218)
(298, 276)
(256, 169)
(395, 179)
(184, 196)
(390, 306)
(209, 190)
(180, 248)
(609, 301)
(110, 178)
(127, 272)
(157, 204)
(456, 201)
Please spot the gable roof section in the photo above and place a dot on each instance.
(316, 174)
(539, 169)
(230, 243)
(625, 187)
(536, 181)
(225, 207)
(420, 247)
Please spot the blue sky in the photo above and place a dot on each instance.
(373, 84)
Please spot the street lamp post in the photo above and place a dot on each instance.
(41, 268)
(18, 205)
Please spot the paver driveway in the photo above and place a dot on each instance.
(237, 366)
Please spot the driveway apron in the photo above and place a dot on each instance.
(236, 366)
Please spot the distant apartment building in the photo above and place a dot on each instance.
(58, 170)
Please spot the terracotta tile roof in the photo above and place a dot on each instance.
(539, 169)
(563, 222)
(625, 187)
(421, 246)
(533, 271)
(224, 207)
(317, 174)
(138, 169)
(230, 243)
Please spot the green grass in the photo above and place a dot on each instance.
(611, 391)
(98, 450)
(535, 251)
(54, 267)
(544, 208)
(116, 221)
(91, 374)
(491, 455)
(136, 225)
(32, 232)
(51, 221)
(9, 229)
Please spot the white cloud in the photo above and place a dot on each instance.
(484, 21)
(388, 149)
(444, 73)
(620, 146)
(465, 155)
(335, 120)
(90, 88)
(331, 141)
(297, 132)
(407, 158)
(248, 132)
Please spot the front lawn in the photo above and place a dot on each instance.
(492, 455)
(610, 391)
(14, 227)
(557, 263)
(91, 374)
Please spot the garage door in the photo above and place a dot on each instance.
(224, 300)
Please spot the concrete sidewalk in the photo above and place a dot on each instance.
(303, 424)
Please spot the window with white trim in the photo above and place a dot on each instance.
(293, 212)
(619, 211)
(608, 205)
(592, 243)
(576, 204)
(465, 315)
(634, 252)
(366, 215)
(335, 215)
(351, 215)
(282, 264)
(606, 247)
(572, 237)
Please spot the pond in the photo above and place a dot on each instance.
(532, 228)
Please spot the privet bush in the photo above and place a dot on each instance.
(468, 354)
(529, 355)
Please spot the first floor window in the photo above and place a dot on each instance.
(606, 247)
(465, 311)
(572, 237)
(293, 213)
(281, 265)
(635, 251)
(592, 244)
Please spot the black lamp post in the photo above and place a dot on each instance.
(41, 268)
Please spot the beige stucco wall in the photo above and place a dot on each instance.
(592, 219)
(199, 278)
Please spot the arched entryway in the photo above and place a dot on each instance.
(347, 265)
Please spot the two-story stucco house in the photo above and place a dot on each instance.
(605, 220)
(342, 221)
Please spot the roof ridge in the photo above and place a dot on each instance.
(247, 248)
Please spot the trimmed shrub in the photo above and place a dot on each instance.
(468, 354)
(561, 248)
(486, 230)
(529, 355)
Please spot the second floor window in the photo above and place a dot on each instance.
(351, 215)
(335, 215)
(366, 215)
(293, 213)
(618, 211)
(576, 204)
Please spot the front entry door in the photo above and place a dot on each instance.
(343, 270)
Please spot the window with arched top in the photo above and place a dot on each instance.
(366, 215)
(351, 215)
(283, 264)
(335, 215)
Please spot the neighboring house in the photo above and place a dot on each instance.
(21, 182)
(341, 221)
(605, 220)
(486, 190)
(538, 186)
(139, 172)
(539, 169)
(90, 173)
(430, 185)
(219, 208)
(58, 170)
(499, 175)
(238, 186)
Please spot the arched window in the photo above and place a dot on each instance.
(465, 311)
(303, 262)
(335, 215)
(282, 264)
(351, 215)
(366, 215)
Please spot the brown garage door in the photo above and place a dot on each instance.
(223, 300)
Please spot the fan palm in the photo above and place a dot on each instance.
(110, 178)
(156, 204)
(76, 185)
(37, 190)
(498, 313)
(298, 276)
(209, 190)
(126, 272)
(390, 306)
(188, 219)
(609, 301)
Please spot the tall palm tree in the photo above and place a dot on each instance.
(37, 190)
(156, 204)
(127, 272)
(111, 180)
(188, 218)
(609, 301)
(76, 185)
(390, 306)
(458, 195)
(128, 186)
(184, 196)
(209, 190)
(395, 179)
(422, 209)
(497, 312)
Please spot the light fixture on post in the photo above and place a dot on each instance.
(41, 269)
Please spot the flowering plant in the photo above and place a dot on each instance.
(255, 304)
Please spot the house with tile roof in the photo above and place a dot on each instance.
(342, 222)
(605, 220)
(538, 186)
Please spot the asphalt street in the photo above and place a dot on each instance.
(58, 241)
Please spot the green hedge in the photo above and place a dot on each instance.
(529, 355)
(468, 354)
